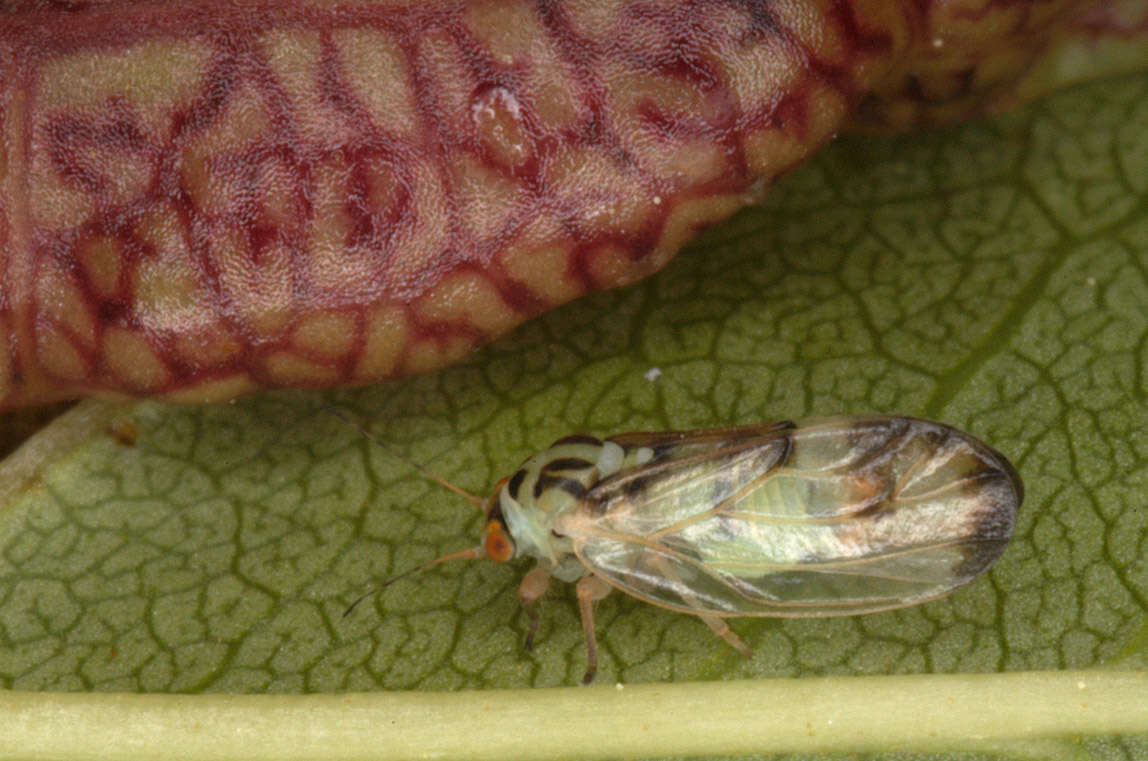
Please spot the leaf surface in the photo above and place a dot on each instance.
(992, 276)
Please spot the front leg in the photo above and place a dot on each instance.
(590, 589)
(533, 587)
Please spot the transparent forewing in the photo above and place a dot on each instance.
(831, 517)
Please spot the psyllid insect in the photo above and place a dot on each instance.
(830, 517)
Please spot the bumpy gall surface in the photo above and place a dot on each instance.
(199, 199)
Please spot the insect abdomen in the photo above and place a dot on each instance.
(832, 517)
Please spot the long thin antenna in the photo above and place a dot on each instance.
(468, 554)
(474, 499)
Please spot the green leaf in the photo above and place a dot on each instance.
(993, 276)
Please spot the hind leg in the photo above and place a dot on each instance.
(721, 628)
(716, 624)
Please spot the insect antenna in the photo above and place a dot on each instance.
(472, 553)
(474, 499)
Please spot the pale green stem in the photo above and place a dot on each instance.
(851, 714)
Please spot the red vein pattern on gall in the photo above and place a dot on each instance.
(199, 199)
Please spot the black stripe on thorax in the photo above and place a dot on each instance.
(566, 463)
(569, 485)
(515, 483)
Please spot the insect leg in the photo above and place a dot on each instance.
(589, 590)
(534, 585)
(721, 628)
(716, 624)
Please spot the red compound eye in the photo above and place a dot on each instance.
(496, 543)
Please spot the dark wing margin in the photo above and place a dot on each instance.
(690, 440)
